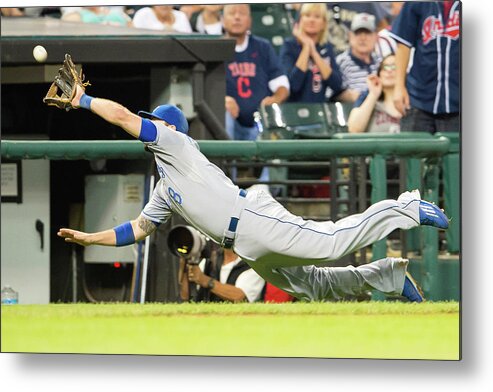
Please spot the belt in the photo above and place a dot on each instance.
(230, 233)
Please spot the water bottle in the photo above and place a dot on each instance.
(9, 296)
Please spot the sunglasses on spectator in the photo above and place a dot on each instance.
(389, 67)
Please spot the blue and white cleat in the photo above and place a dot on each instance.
(431, 215)
(411, 290)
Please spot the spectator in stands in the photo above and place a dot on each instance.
(308, 58)
(359, 60)
(36, 12)
(428, 96)
(253, 78)
(11, 11)
(208, 20)
(162, 17)
(341, 16)
(385, 43)
(374, 111)
(97, 15)
(226, 279)
(191, 9)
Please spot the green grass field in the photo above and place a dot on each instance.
(328, 330)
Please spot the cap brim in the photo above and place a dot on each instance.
(149, 115)
(363, 28)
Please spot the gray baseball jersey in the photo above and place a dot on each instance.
(190, 185)
(267, 236)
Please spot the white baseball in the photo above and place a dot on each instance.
(40, 53)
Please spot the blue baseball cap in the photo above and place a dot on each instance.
(169, 113)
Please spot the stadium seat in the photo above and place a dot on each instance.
(338, 116)
(272, 22)
(300, 121)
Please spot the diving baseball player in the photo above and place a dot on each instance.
(259, 229)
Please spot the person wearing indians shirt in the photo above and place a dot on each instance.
(253, 78)
(428, 96)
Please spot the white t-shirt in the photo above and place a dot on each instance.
(213, 28)
(248, 281)
(145, 18)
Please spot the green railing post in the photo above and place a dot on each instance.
(378, 176)
(451, 190)
(413, 181)
(430, 234)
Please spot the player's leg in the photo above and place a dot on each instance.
(312, 283)
(267, 228)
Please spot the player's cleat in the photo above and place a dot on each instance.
(411, 290)
(431, 215)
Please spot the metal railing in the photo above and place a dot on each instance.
(345, 157)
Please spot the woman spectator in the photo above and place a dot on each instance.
(209, 20)
(98, 15)
(162, 17)
(374, 110)
(12, 11)
(308, 57)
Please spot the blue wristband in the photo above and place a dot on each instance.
(85, 101)
(124, 234)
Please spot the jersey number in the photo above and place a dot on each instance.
(175, 196)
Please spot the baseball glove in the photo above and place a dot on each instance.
(62, 91)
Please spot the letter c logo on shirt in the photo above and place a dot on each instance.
(243, 85)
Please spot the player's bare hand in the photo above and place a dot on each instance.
(76, 101)
(75, 237)
(401, 99)
(232, 106)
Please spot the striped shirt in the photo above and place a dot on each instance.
(386, 45)
(355, 71)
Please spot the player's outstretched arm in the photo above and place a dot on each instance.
(110, 111)
(124, 234)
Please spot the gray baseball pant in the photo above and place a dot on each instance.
(311, 283)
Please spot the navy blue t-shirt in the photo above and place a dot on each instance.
(248, 76)
(309, 86)
(433, 82)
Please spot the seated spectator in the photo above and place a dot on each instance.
(162, 17)
(97, 15)
(36, 12)
(11, 11)
(374, 111)
(229, 279)
(208, 20)
(359, 60)
(308, 58)
(342, 14)
(191, 9)
(253, 78)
